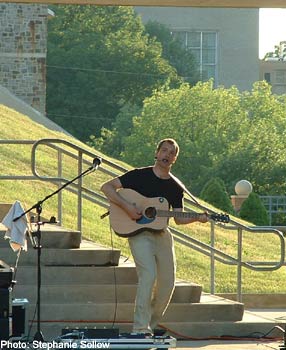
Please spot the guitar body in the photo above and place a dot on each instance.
(155, 214)
(124, 226)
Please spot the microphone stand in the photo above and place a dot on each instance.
(36, 238)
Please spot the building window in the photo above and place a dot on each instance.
(267, 77)
(203, 45)
(280, 77)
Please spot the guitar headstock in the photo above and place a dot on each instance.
(220, 217)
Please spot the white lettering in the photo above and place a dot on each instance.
(53, 345)
(84, 344)
(3, 343)
(12, 345)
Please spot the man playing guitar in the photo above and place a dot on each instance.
(153, 252)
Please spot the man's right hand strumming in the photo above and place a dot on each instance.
(133, 212)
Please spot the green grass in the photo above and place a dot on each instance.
(191, 265)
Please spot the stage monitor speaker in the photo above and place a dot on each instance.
(6, 275)
(5, 327)
(5, 303)
(19, 319)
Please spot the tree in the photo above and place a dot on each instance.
(214, 192)
(221, 132)
(253, 210)
(98, 59)
(111, 140)
(258, 152)
(198, 118)
(279, 52)
(173, 51)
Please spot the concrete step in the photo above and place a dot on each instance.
(76, 291)
(94, 256)
(71, 275)
(176, 312)
(4, 208)
(52, 236)
(252, 323)
(210, 309)
(189, 319)
(100, 293)
(260, 300)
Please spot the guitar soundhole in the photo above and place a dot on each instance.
(150, 212)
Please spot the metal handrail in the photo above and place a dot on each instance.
(223, 257)
(85, 157)
(236, 225)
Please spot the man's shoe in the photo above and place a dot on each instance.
(148, 335)
(159, 332)
(141, 335)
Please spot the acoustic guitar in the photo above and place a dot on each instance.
(155, 214)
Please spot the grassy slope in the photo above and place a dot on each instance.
(192, 266)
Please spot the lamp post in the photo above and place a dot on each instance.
(242, 189)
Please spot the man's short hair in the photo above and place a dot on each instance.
(171, 141)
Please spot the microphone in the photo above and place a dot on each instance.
(96, 162)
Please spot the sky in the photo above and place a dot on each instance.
(272, 29)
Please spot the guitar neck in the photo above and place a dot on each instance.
(177, 214)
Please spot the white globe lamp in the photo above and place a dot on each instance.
(243, 188)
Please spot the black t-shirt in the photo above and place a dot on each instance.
(145, 182)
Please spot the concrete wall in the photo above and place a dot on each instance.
(238, 37)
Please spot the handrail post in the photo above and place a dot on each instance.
(60, 196)
(79, 193)
(239, 265)
(270, 211)
(212, 259)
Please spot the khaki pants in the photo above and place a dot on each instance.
(154, 257)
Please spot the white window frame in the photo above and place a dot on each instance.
(201, 63)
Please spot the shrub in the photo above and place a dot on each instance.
(253, 210)
(214, 192)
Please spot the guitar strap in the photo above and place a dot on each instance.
(179, 182)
